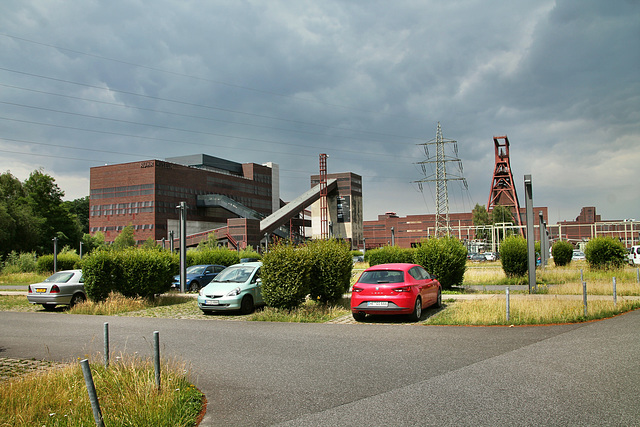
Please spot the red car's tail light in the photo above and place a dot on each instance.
(55, 289)
(356, 289)
(403, 289)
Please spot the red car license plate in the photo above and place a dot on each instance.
(377, 304)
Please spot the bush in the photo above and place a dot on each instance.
(332, 263)
(605, 253)
(513, 254)
(445, 257)
(562, 252)
(389, 254)
(24, 262)
(249, 253)
(64, 261)
(101, 272)
(285, 275)
(145, 272)
(130, 271)
(216, 255)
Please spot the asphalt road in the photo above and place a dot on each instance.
(256, 373)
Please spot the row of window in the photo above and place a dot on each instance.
(121, 227)
(125, 191)
(122, 208)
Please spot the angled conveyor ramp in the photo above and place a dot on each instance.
(224, 202)
(293, 208)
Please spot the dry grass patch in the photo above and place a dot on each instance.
(126, 391)
(116, 304)
(528, 310)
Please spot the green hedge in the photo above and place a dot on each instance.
(389, 254)
(562, 252)
(220, 256)
(286, 275)
(64, 261)
(332, 263)
(605, 253)
(445, 257)
(133, 272)
(513, 255)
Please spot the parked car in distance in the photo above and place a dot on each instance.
(394, 289)
(62, 288)
(490, 256)
(198, 276)
(237, 287)
(578, 255)
(478, 258)
(634, 255)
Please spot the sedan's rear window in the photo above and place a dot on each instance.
(59, 277)
(382, 276)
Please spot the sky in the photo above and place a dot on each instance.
(88, 83)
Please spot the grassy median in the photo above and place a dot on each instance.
(126, 391)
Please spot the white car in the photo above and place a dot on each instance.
(634, 255)
(490, 256)
(578, 256)
(62, 288)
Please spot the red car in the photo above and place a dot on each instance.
(395, 289)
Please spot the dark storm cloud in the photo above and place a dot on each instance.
(365, 82)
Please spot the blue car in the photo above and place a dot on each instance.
(198, 276)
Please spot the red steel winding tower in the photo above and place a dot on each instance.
(503, 189)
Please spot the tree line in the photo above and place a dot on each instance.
(32, 214)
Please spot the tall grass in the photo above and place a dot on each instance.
(126, 391)
(116, 304)
(528, 310)
(309, 312)
(22, 278)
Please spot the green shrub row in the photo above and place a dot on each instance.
(131, 272)
(444, 257)
(321, 269)
(64, 261)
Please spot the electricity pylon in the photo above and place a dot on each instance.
(440, 177)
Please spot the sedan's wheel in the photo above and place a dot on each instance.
(194, 286)
(359, 316)
(76, 299)
(439, 300)
(48, 307)
(417, 311)
(246, 305)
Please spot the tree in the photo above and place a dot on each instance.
(125, 239)
(19, 227)
(91, 243)
(80, 208)
(45, 199)
(480, 218)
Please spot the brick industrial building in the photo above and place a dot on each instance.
(238, 202)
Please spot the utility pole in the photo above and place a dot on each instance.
(441, 178)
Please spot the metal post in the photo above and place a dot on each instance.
(531, 248)
(80, 249)
(615, 294)
(584, 297)
(106, 344)
(183, 246)
(55, 254)
(91, 389)
(156, 351)
(364, 246)
(508, 303)
(393, 237)
(171, 241)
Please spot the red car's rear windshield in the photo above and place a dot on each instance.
(382, 276)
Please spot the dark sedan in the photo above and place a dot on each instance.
(198, 276)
